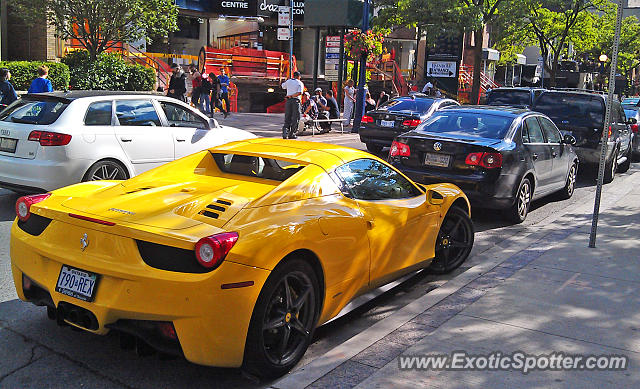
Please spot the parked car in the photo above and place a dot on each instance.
(233, 256)
(398, 115)
(513, 97)
(633, 112)
(501, 157)
(631, 101)
(582, 114)
(56, 139)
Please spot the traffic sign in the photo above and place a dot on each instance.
(283, 34)
(441, 68)
(284, 15)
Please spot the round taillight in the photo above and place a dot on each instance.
(22, 210)
(473, 158)
(211, 250)
(23, 205)
(490, 160)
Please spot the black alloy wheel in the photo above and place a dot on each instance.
(283, 320)
(106, 170)
(454, 241)
(570, 185)
(518, 213)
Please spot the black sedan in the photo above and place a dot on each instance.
(502, 158)
(379, 127)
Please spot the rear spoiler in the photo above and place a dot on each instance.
(46, 97)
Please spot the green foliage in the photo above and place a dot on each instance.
(23, 72)
(108, 72)
(369, 43)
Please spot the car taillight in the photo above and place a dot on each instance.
(47, 138)
(366, 119)
(634, 128)
(23, 205)
(486, 160)
(399, 150)
(411, 122)
(610, 132)
(211, 250)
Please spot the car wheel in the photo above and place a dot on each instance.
(106, 170)
(283, 320)
(570, 185)
(454, 241)
(520, 209)
(624, 167)
(373, 148)
(611, 168)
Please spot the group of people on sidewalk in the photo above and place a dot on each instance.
(39, 85)
(207, 91)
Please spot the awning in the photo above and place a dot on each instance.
(490, 54)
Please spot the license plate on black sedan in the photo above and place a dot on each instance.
(440, 160)
(76, 283)
(8, 145)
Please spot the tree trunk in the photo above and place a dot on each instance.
(554, 70)
(477, 70)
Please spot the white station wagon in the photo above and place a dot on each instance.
(51, 140)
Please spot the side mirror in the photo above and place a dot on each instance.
(632, 121)
(569, 139)
(213, 123)
(435, 198)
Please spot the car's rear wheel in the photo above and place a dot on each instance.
(520, 209)
(624, 166)
(106, 170)
(283, 320)
(570, 185)
(611, 168)
(454, 241)
(373, 148)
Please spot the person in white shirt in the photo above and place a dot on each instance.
(427, 88)
(294, 88)
(349, 102)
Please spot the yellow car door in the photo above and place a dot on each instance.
(402, 226)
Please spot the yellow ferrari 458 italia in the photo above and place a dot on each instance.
(234, 255)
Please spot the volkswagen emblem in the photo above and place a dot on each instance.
(437, 146)
(84, 241)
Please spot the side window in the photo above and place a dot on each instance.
(367, 179)
(136, 113)
(98, 114)
(525, 133)
(535, 132)
(550, 130)
(178, 116)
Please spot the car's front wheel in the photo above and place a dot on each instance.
(520, 209)
(570, 185)
(454, 241)
(283, 320)
(106, 170)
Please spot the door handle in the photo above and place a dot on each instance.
(125, 139)
(534, 156)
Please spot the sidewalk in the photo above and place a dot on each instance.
(545, 293)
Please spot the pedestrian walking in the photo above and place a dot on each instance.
(215, 94)
(294, 88)
(177, 83)
(194, 78)
(349, 102)
(224, 91)
(7, 93)
(205, 95)
(41, 84)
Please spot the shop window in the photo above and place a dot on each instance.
(188, 28)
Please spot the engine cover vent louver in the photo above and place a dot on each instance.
(209, 211)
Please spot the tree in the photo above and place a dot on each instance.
(100, 24)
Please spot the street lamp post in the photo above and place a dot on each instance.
(362, 76)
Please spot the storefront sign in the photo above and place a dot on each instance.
(332, 58)
(441, 68)
(270, 8)
(235, 7)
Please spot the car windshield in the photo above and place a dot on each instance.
(467, 125)
(568, 109)
(258, 167)
(630, 112)
(631, 101)
(412, 105)
(509, 97)
(30, 111)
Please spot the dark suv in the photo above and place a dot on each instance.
(513, 97)
(582, 115)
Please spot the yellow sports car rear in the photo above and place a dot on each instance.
(234, 255)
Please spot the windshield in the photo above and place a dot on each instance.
(467, 125)
(33, 111)
(578, 110)
(630, 113)
(258, 167)
(631, 101)
(417, 105)
(509, 97)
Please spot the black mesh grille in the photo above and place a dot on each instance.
(35, 225)
(170, 258)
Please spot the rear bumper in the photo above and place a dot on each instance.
(590, 156)
(380, 136)
(36, 175)
(211, 323)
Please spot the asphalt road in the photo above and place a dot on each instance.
(35, 352)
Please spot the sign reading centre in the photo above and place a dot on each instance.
(441, 68)
(235, 7)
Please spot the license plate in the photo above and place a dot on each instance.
(77, 283)
(441, 160)
(387, 123)
(8, 145)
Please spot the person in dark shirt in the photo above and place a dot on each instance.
(178, 83)
(41, 84)
(224, 91)
(7, 93)
(369, 103)
(332, 108)
(384, 97)
(205, 95)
